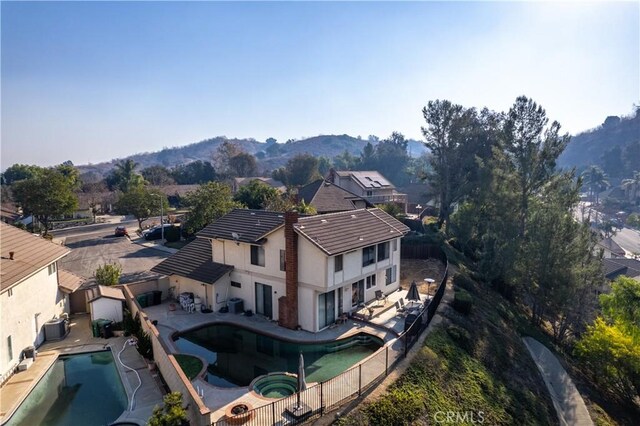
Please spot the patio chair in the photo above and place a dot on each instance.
(402, 303)
(380, 296)
(400, 310)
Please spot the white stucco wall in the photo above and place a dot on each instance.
(105, 308)
(37, 294)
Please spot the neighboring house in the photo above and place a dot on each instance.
(9, 214)
(33, 291)
(238, 183)
(327, 197)
(610, 248)
(613, 268)
(176, 193)
(303, 272)
(370, 185)
(102, 202)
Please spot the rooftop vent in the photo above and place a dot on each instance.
(353, 216)
(323, 220)
(361, 239)
(11, 255)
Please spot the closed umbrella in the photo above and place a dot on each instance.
(302, 384)
(413, 292)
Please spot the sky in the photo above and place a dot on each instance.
(94, 81)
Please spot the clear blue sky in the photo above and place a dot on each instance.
(92, 81)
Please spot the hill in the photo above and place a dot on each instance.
(615, 146)
(319, 146)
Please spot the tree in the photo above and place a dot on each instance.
(108, 274)
(299, 171)
(123, 176)
(46, 195)
(324, 165)
(208, 203)
(70, 173)
(596, 180)
(243, 165)
(141, 202)
(392, 209)
(196, 172)
(171, 414)
(19, 172)
(273, 150)
(223, 155)
(391, 158)
(632, 186)
(158, 176)
(256, 195)
(533, 149)
(622, 306)
(345, 161)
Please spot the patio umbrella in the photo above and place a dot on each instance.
(412, 294)
(302, 384)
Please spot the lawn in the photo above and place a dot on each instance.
(191, 366)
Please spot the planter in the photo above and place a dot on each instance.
(172, 306)
(239, 413)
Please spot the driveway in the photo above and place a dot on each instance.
(90, 251)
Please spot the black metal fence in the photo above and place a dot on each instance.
(325, 396)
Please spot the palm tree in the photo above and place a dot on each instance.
(596, 179)
(126, 176)
(632, 186)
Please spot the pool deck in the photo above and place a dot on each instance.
(80, 340)
(385, 322)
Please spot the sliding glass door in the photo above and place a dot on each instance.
(326, 309)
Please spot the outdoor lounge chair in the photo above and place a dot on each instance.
(400, 310)
(380, 296)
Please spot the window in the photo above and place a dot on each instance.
(338, 263)
(369, 193)
(10, 292)
(371, 281)
(52, 269)
(395, 245)
(368, 255)
(236, 284)
(383, 251)
(257, 255)
(390, 275)
(283, 260)
(10, 348)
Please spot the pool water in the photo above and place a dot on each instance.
(236, 355)
(80, 389)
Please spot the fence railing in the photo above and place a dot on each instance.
(323, 397)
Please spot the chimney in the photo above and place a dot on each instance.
(288, 305)
(11, 255)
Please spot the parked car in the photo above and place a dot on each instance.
(155, 233)
(120, 231)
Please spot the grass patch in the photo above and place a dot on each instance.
(190, 365)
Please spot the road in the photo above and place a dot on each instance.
(92, 247)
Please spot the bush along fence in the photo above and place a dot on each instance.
(323, 397)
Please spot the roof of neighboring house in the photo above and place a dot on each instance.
(326, 197)
(613, 268)
(242, 181)
(337, 233)
(69, 282)
(30, 254)
(612, 246)
(9, 212)
(100, 291)
(249, 226)
(367, 179)
(193, 261)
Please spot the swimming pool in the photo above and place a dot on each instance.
(82, 389)
(236, 355)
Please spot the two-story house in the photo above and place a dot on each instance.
(370, 185)
(300, 271)
(32, 291)
(327, 197)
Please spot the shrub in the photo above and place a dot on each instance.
(131, 325)
(145, 348)
(463, 281)
(172, 234)
(108, 274)
(171, 414)
(461, 337)
(462, 302)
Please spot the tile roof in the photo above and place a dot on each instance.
(337, 233)
(612, 246)
(193, 261)
(104, 291)
(69, 282)
(615, 267)
(327, 197)
(250, 226)
(30, 254)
